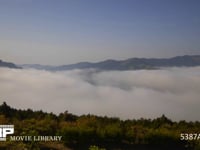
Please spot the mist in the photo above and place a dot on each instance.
(174, 92)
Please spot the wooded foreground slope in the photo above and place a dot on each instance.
(80, 132)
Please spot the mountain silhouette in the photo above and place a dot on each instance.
(128, 64)
(8, 65)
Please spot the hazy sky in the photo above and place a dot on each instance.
(68, 31)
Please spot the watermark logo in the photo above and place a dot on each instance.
(6, 130)
(9, 129)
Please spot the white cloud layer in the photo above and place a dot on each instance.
(174, 92)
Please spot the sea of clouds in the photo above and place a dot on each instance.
(174, 92)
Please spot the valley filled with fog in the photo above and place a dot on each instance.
(174, 92)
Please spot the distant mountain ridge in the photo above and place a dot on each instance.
(8, 65)
(128, 64)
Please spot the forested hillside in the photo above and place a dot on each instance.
(83, 132)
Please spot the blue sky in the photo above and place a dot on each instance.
(68, 31)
